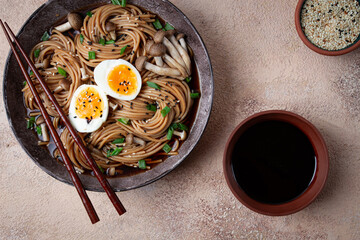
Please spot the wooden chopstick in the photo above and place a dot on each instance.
(74, 177)
(104, 183)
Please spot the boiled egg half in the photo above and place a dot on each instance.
(89, 108)
(118, 78)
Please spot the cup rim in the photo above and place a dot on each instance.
(310, 45)
(321, 171)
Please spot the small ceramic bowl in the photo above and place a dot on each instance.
(315, 186)
(311, 45)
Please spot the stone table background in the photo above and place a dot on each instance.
(259, 64)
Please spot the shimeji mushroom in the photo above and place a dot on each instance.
(40, 121)
(181, 134)
(176, 145)
(160, 37)
(64, 84)
(139, 141)
(113, 106)
(74, 21)
(111, 171)
(110, 28)
(141, 64)
(174, 64)
(180, 37)
(84, 76)
(130, 139)
(43, 64)
(184, 55)
(156, 50)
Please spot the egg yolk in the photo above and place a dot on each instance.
(122, 80)
(89, 104)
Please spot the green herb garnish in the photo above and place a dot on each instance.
(157, 24)
(62, 71)
(45, 36)
(89, 13)
(81, 38)
(118, 140)
(188, 79)
(142, 164)
(124, 120)
(30, 123)
(36, 53)
(170, 133)
(114, 152)
(115, 2)
(194, 95)
(24, 83)
(165, 111)
(38, 130)
(31, 72)
(168, 27)
(102, 41)
(153, 85)
(110, 42)
(151, 107)
(92, 55)
(167, 148)
(100, 168)
(183, 127)
(123, 3)
(123, 50)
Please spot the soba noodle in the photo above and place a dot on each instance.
(134, 29)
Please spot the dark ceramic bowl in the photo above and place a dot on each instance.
(31, 33)
(310, 45)
(322, 164)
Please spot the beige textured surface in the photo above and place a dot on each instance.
(259, 64)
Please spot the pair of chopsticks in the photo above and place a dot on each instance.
(74, 177)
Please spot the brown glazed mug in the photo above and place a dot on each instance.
(310, 44)
(320, 175)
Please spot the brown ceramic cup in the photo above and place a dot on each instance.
(321, 171)
(310, 44)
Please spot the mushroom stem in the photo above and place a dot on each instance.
(139, 141)
(174, 64)
(173, 52)
(63, 85)
(184, 55)
(113, 106)
(141, 63)
(176, 145)
(159, 61)
(44, 132)
(181, 134)
(43, 64)
(111, 28)
(84, 76)
(63, 27)
(183, 44)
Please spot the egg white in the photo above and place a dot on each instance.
(102, 71)
(81, 124)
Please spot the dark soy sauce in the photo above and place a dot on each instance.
(273, 162)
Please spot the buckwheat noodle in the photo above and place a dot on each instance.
(133, 29)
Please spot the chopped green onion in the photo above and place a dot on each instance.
(115, 2)
(124, 120)
(165, 111)
(183, 127)
(153, 85)
(101, 169)
(118, 140)
(45, 36)
(114, 152)
(110, 42)
(81, 38)
(151, 107)
(194, 95)
(123, 3)
(36, 53)
(167, 148)
(31, 72)
(89, 13)
(168, 27)
(142, 164)
(123, 50)
(38, 130)
(30, 123)
(157, 24)
(170, 133)
(24, 83)
(92, 55)
(175, 125)
(188, 79)
(62, 71)
(102, 41)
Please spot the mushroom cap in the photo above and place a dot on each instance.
(159, 36)
(65, 84)
(149, 45)
(140, 63)
(129, 138)
(46, 63)
(157, 50)
(40, 120)
(170, 32)
(179, 36)
(109, 27)
(75, 20)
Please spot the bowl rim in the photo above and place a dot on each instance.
(315, 186)
(313, 47)
(202, 115)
